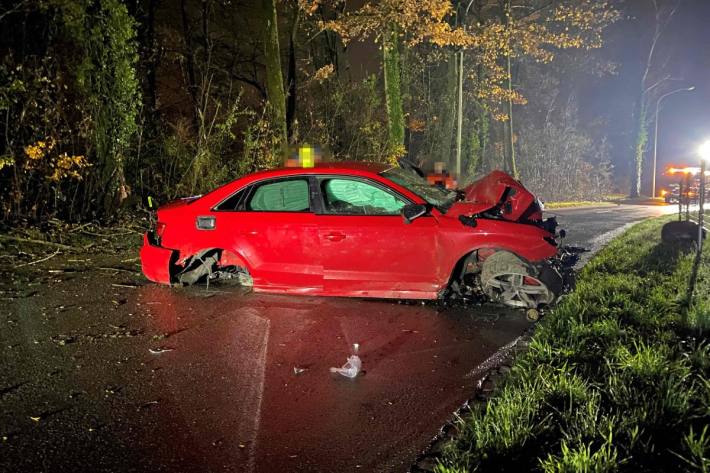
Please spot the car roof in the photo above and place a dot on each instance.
(331, 167)
(358, 168)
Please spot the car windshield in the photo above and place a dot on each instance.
(434, 195)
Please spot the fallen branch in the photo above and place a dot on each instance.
(39, 260)
(76, 229)
(129, 286)
(102, 235)
(36, 242)
(110, 268)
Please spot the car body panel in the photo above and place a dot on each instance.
(281, 247)
(345, 255)
(498, 188)
(378, 253)
(156, 261)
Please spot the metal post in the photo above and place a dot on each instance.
(687, 201)
(459, 117)
(680, 200)
(655, 152)
(701, 211)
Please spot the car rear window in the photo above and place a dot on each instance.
(281, 196)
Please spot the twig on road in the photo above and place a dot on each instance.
(37, 242)
(39, 260)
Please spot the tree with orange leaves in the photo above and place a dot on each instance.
(492, 32)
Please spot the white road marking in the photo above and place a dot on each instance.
(493, 360)
(251, 407)
(599, 241)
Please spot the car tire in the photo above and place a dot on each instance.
(514, 282)
(680, 232)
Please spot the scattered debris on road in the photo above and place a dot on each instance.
(353, 365)
(159, 350)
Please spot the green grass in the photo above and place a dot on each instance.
(616, 378)
(575, 203)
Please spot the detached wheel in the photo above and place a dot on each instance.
(514, 282)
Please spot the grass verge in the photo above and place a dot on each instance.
(576, 203)
(616, 378)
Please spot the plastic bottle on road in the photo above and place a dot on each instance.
(353, 365)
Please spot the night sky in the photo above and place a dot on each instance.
(683, 53)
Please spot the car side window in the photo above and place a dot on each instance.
(354, 197)
(288, 195)
(232, 202)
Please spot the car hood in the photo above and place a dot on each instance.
(500, 192)
(467, 209)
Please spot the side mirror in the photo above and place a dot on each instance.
(411, 212)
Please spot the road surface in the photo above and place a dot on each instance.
(102, 371)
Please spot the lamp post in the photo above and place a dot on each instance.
(459, 114)
(655, 135)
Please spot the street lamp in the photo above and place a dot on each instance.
(655, 136)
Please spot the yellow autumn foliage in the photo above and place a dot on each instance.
(55, 167)
(534, 31)
(38, 150)
(67, 166)
(324, 73)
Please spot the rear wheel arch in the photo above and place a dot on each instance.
(207, 261)
(233, 258)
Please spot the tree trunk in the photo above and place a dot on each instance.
(190, 62)
(393, 92)
(291, 78)
(640, 141)
(274, 76)
(448, 113)
(510, 131)
(152, 60)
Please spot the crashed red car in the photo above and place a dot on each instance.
(362, 230)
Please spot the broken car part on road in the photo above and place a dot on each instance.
(362, 230)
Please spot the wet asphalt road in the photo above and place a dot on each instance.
(102, 371)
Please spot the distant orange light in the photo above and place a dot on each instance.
(664, 193)
(685, 170)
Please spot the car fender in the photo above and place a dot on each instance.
(530, 246)
(232, 258)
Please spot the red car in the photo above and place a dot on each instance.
(363, 230)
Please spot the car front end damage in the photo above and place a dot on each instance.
(522, 264)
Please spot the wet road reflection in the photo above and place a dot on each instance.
(102, 372)
(231, 398)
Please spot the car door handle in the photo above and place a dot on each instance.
(334, 236)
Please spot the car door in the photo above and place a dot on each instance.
(274, 229)
(366, 247)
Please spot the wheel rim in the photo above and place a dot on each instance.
(518, 290)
